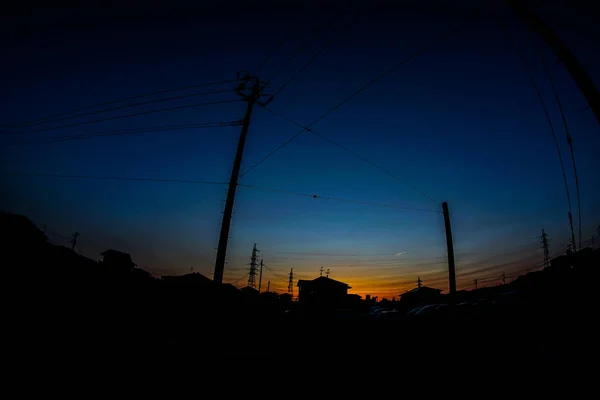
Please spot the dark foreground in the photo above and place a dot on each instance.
(540, 347)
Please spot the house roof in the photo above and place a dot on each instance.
(322, 280)
(193, 278)
(422, 289)
(115, 252)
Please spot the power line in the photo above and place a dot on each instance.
(131, 105)
(106, 103)
(347, 99)
(547, 114)
(275, 274)
(285, 39)
(131, 115)
(215, 183)
(275, 150)
(314, 57)
(564, 120)
(315, 33)
(338, 199)
(119, 178)
(309, 129)
(382, 75)
(167, 128)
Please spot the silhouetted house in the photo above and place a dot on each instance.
(322, 291)
(421, 296)
(194, 278)
(560, 263)
(117, 262)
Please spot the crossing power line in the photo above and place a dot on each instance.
(133, 131)
(320, 28)
(128, 116)
(283, 41)
(123, 99)
(314, 196)
(566, 125)
(382, 75)
(110, 109)
(309, 129)
(189, 181)
(534, 85)
(315, 56)
(118, 178)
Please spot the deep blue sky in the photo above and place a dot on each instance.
(460, 122)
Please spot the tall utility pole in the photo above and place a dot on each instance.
(546, 249)
(291, 282)
(260, 275)
(74, 240)
(572, 232)
(572, 65)
(450, 247)
(252, 273)
(252, 84)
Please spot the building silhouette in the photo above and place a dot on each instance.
(421, 296)
(322, 291)
(117, 262)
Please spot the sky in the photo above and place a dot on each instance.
(460, 122)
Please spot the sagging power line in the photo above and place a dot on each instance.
(133, 131)
(106, 103)
(110, 109)
(534, 85)
(309, 129)
(209, 103)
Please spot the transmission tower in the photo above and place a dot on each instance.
(419, 282)
(253, 264)
(291, 282)
(74, 241)
(546, 250)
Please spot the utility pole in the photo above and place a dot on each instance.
(291, 282)
(450, 247)
(546, 249)
(252, 273)
(572, 232)
(571, 63)
(475, 284)
(252, 84)
(74, 240)
(268, 286)
(504, 278)
(419, 282)
(260, 275)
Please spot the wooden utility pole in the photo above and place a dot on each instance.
(450, 247)
(252, 84)
(260, 275)
(571, 63)
(74, 240)
(268, 286)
